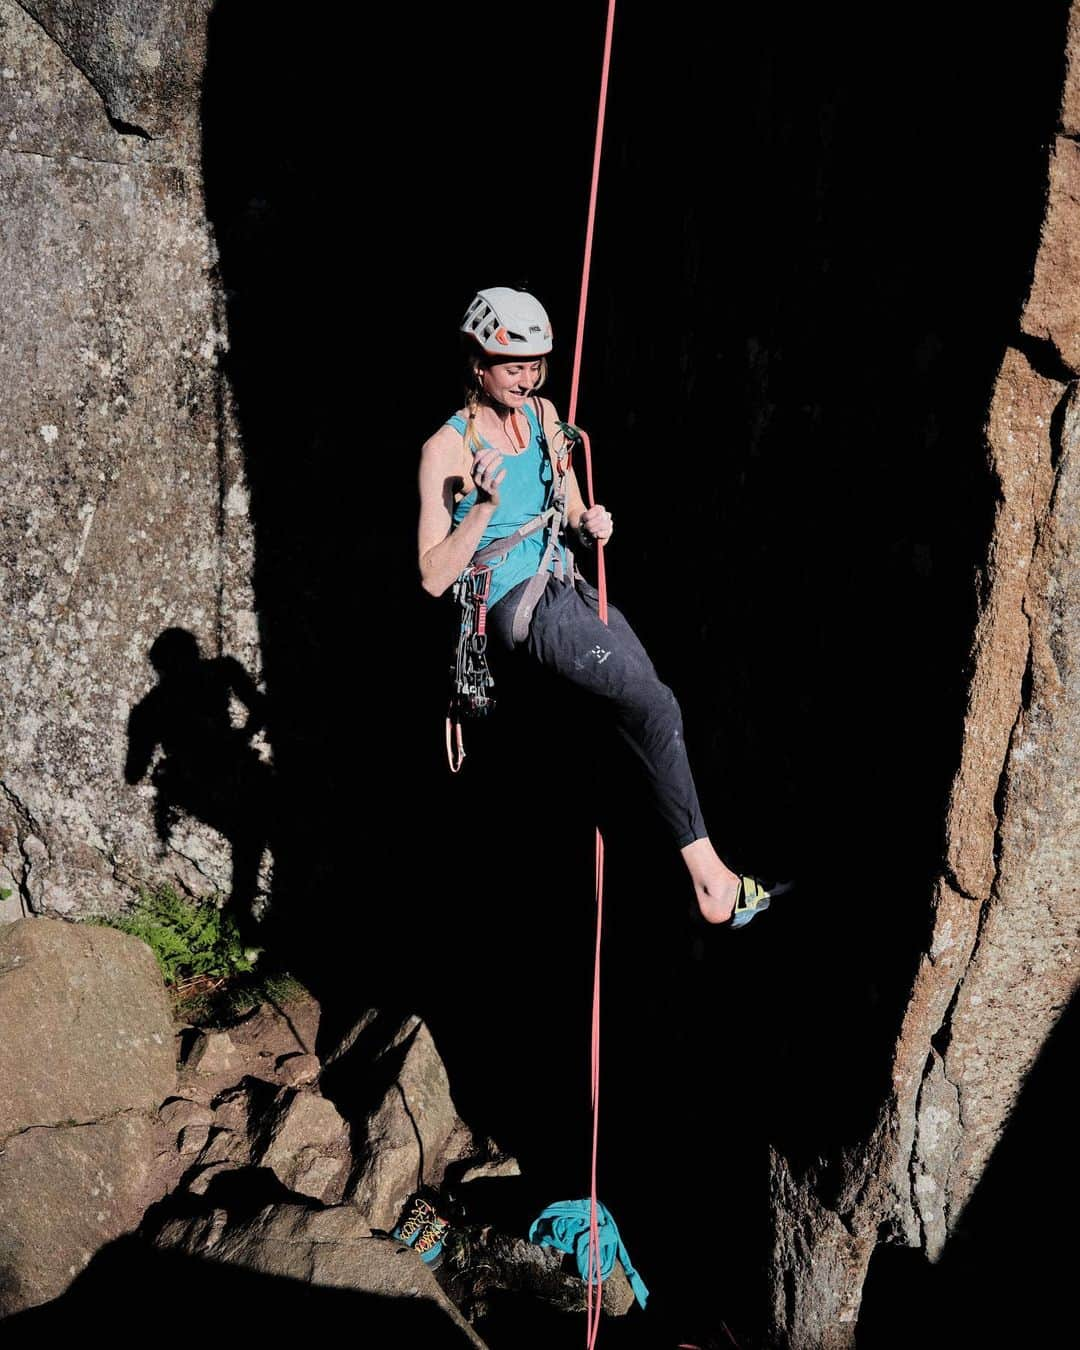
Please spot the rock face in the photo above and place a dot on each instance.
(101, 1038)
(64, 1193)
(110, 1108)
(333, 1247)
(82, 1079)
(1000, 965)
(490, 1260)
(308, 1146)
(143, 59)
(126, 506)
(414, 1132)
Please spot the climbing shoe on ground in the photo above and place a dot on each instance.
(422, 1227)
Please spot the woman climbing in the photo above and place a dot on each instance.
(497, 496)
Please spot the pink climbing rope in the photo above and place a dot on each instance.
(594, 1302)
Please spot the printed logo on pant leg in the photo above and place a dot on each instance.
(600, 654)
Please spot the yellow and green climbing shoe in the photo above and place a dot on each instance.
(753, 899)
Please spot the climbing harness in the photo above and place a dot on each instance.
(470, 696)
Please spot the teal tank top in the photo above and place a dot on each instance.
(526, 490)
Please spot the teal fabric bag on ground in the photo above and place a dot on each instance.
(565, 1226)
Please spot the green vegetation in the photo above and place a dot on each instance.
(217, 1004)
(205, 965)
(188, 937)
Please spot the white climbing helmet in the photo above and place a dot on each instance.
(508, 323)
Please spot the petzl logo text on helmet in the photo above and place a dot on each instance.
(506, 322)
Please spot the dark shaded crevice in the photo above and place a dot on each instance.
(1005, 1273)
(22, 810)
(117, 124)
(1044, 358)
(954, 884)
(786, 398)
(124, 128)
(132, 1273)
(1004, 778)
(943, 1035)
(1057, 431)
(25, 824)
(416, 1131)
(193, 862)
(356, 1094)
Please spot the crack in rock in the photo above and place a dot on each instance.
(117, 123)
(85, 159)
(27, 828)
(68, 1124)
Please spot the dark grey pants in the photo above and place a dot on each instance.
(566, 636)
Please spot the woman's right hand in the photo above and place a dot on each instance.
(487, 475)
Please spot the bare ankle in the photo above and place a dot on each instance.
(705, 865)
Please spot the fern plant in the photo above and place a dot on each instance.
(188, 937)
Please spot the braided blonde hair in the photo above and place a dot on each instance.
(474, 364)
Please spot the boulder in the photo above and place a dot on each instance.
(333, 1247)
(308, 1146)
(413, 1132)
(79, 1135)
(100, 1040)
(298, 1070)
(66, 1191)
(214, 1053)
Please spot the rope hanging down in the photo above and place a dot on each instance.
(594, 1302)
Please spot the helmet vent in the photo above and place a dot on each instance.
(486, 319)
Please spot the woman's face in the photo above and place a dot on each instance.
(509, 381)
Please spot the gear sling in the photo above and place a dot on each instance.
(472, 678)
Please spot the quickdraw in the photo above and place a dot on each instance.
(472, 678)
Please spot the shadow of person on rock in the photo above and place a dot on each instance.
(208, 769)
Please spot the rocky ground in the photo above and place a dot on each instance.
(143, 1154)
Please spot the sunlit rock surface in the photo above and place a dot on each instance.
(125, 504)
(1000, 967)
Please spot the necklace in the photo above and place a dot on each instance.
(518, 441)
